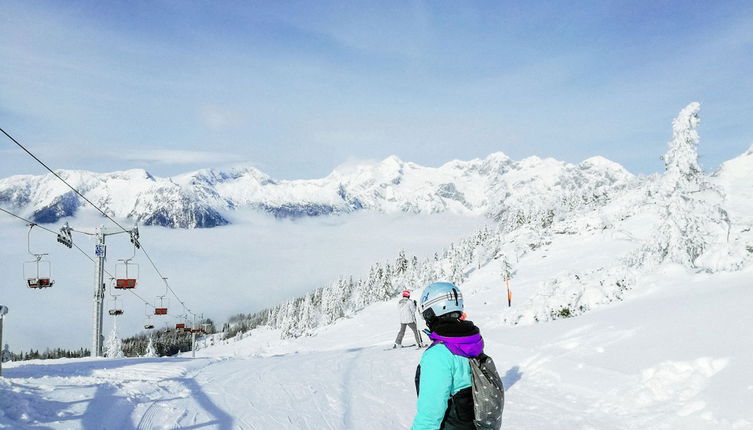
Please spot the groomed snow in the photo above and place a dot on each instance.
(674, 354)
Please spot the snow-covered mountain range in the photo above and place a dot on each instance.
(203, 198)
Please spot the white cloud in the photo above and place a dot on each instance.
(175, 156)
(219, 118)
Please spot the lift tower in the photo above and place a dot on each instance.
(99, 285)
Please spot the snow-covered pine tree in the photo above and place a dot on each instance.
(114, 346)
(150, 351)
(401, 265)
(691, 207)
(5, 354)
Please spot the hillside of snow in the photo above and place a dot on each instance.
(205, 198)
(734, 176)
(673, 355)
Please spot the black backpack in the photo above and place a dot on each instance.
(488, 393)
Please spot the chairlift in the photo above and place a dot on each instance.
(161, 309)
(125, 280)
(64, 236)
(148, 323)
(182, 325)
(115, 311)
(38, 273)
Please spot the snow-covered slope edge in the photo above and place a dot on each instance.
(203, 198)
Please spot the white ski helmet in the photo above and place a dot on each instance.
(440, 298)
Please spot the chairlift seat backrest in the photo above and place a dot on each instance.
(116, 312)
(180, 325)
(160, 311)
(39, 282)
(125, 283)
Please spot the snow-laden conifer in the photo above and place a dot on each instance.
(150, 351)
(114, 345)
(693, 220)
(6, 354)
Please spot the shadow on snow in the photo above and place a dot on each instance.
(25, 406)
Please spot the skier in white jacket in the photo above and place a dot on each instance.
(407, 309)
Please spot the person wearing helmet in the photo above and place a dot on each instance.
(407, 308)
(443, 377)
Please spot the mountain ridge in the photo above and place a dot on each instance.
(202, 198)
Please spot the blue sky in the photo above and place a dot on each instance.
(297, 88)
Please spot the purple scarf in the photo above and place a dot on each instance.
(466, 346)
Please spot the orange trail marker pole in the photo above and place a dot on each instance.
(509, 293)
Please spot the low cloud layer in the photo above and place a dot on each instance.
(244, 267)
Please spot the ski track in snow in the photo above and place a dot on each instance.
(355, 388)
(667, 360)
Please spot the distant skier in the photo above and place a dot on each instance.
(454, 367)
(407, 308)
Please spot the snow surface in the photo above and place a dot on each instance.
(674, 354)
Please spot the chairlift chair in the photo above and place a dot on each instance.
(161, 309)
(125, 279)
(148, 323)
(38, 273)
(116, 310)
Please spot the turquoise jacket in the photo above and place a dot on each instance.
(443, 374)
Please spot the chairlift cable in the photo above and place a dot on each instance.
(167, 285)
(74, 245)
(91, 203)
(28, 221)
(64, 181)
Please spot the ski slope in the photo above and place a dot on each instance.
(675, 354)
